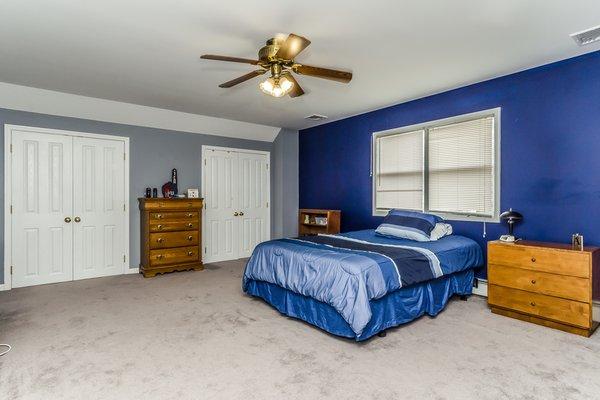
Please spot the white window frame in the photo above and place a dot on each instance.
(426, 126)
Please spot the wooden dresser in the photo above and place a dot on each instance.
(170, 235)
(308, 221)
(544, 283)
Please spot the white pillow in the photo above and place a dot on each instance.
(440, 230)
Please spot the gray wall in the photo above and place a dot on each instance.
(285, 178)
(153, 153)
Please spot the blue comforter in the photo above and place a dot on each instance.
(348, 270)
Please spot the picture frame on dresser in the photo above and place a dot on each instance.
(171, 235)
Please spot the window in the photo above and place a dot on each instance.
(448, 167)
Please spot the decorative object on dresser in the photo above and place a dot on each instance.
(545, 283)
(170, 235)
(510, 217)
(313, 222)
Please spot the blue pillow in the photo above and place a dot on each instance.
(408, 225)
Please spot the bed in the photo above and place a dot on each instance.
(358, 284)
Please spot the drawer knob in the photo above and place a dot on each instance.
(190, 215)
(159, 226)
(160, 256)
(533, 281)
(190, 237)
(532, 259)
(190, 225)
(190, 253)
(159, 216)
(532, 303)
(159, 240)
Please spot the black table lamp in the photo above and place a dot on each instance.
(510, 217)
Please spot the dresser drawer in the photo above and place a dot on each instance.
(568, 287)
(173, 239)
(539, 259)
(553, 308)
(174, 216)
(174, 256)
(173, 204)
(169, 226)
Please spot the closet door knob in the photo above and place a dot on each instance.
(67, 219)
(235, 214)
(241, 213)
(77, 219)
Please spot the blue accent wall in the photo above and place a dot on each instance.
(550, 151)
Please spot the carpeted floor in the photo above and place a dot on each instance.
(195, 335)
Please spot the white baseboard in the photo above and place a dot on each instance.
(4, 286)
(482, 290)
(135, 270)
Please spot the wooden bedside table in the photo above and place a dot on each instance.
(544, 283)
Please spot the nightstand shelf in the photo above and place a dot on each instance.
(332, 218)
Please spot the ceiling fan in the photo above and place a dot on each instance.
(277, 58)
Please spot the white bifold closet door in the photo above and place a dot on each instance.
(236, 188)
(68, 196)
(98, 201)
(42, 197)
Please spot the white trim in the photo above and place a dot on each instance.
(596, 310)
(206, 148)
(425, 126)
(482, 287)
(8, 129)
(135, 270)
(24, 98)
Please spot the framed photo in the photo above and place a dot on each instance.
(193, 193)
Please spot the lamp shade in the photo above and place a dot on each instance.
(511, 215)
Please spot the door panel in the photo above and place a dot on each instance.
(99, 199)
(254, 197)
(220, 198)
(41, 199)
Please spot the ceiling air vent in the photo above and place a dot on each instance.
(587, 37)
(316, 117)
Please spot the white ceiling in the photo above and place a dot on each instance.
(147, 51)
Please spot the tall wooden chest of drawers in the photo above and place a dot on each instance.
(544, 283)
(170, 235)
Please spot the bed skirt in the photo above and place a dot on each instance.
(397, 308)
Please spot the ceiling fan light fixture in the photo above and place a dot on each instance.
(276, 87)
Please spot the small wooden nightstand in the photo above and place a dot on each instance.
(544, 283)
(311, 227)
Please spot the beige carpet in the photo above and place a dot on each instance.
(194, 335)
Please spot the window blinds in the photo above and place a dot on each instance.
(399, 171)
(461, 170)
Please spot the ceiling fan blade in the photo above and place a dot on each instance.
(226, 58)
(292, 46)
(324, 73)
(242, 78)
(296, 90)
